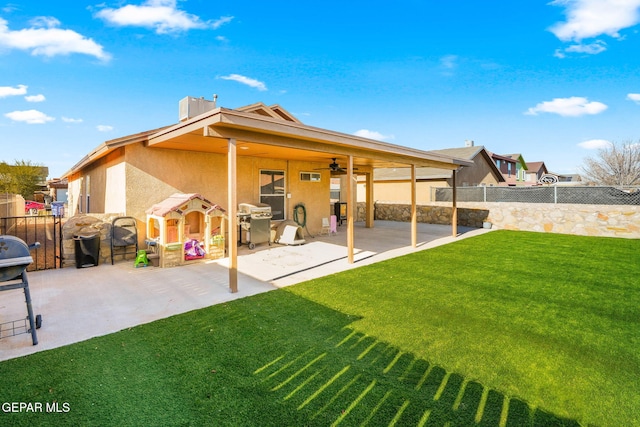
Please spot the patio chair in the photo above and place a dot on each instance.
(124, 236)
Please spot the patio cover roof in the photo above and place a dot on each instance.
(271, 132)
(260, 135)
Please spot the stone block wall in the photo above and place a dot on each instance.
(585, 220)
(429, 214)
(88, 225)
(582, 220)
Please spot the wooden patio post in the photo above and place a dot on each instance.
(454, 213)
(369, 200)
(350, 207)
(232, 210)
(414, 210)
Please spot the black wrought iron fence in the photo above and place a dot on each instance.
(541, 194)
(45, 229)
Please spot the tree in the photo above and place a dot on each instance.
(617, 165)
(21, 178)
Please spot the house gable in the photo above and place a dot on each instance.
(275, 112)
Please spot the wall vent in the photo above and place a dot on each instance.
(310, 176)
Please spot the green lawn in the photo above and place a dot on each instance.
(507, 328)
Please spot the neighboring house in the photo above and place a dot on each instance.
(390, 184)
(254, 154)
(508, 166)
(58, 189)
(570, 178)
(521, 168)
(535, 172)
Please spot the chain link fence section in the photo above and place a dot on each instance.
(543, 194)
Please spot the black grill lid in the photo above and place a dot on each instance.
(14, 257)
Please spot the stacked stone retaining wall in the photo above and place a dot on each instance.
(578, 219)
(88, 225)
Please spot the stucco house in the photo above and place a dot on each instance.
(389, 184)
(509, 167)
(254, 154)
(535, 172)
(522, 168)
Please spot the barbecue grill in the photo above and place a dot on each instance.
(256, 220)
(14, 260)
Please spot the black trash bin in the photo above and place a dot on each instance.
(87, 248)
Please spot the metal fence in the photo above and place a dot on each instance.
(542, 194)
(44, 229)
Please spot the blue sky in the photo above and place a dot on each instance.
(550, 80)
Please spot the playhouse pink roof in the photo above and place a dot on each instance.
(175, 201)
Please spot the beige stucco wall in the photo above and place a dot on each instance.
(136, 177)
(92, 181)
(116, 179)
(400, 192)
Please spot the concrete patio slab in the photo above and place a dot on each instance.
(79, 304)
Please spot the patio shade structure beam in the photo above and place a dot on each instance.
(454, 207)
(350, 205)
(414, 210)
(232, 208)
(369, 200)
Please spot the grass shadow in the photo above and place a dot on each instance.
(354, 379)
(272, 359)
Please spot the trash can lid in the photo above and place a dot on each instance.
(85, 236)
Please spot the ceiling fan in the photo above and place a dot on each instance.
(334, 167)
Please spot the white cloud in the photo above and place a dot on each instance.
(161, 15)
(104, 128)
(12, 91)
(70, 120)
(572, 107)
(635, 97)
(591, 49)
(46, 39)
(592, 18)
(449, 61)
(246, 81)
(372, 134)
(559, 54)
(35, 98)
(221, 21)
(594, 144)
(29, 116)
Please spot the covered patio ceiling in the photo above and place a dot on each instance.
(261, 136)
